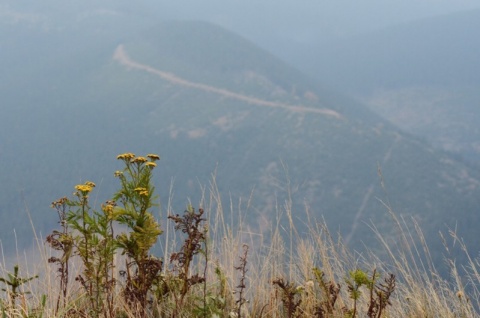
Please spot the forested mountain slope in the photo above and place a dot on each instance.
(209, 101)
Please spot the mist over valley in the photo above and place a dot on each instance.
(339, 127)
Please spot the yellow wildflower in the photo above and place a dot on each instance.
(151, 164)
(126, 156)
(153, 157)
(108, 208)
(118, 173)
(139, 159)
(90, 184)
(141, 191)
(83, 188)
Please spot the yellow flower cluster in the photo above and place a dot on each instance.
(151, 164)
(153, 157)
(131, 158)
(126, 156)
(139, 160)
(90, 184)
(108, 208)
(83, 188)
(142, 191)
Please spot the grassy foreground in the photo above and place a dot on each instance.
(100, 263)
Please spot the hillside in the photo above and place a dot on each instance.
(437, 51)
(446, 118)
(209, 101)
(422, 76)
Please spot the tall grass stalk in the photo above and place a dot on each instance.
(274, 253)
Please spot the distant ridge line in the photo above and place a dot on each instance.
(121, 56)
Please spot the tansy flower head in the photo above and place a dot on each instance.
(118, 173)
(90, 184)
(151, 164)
(83, 188)
(153, 157)
(139, 160)
(126, 156)
(108, 208)
(141, 191)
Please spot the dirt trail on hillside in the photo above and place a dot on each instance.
(121, 56)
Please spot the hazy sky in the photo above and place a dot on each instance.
(304, 20)
(277, 25)
(298, 20)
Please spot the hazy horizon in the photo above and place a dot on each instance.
(270, 22)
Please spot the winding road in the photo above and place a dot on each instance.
(120, 55)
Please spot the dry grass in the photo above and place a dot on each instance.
(274, 253)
